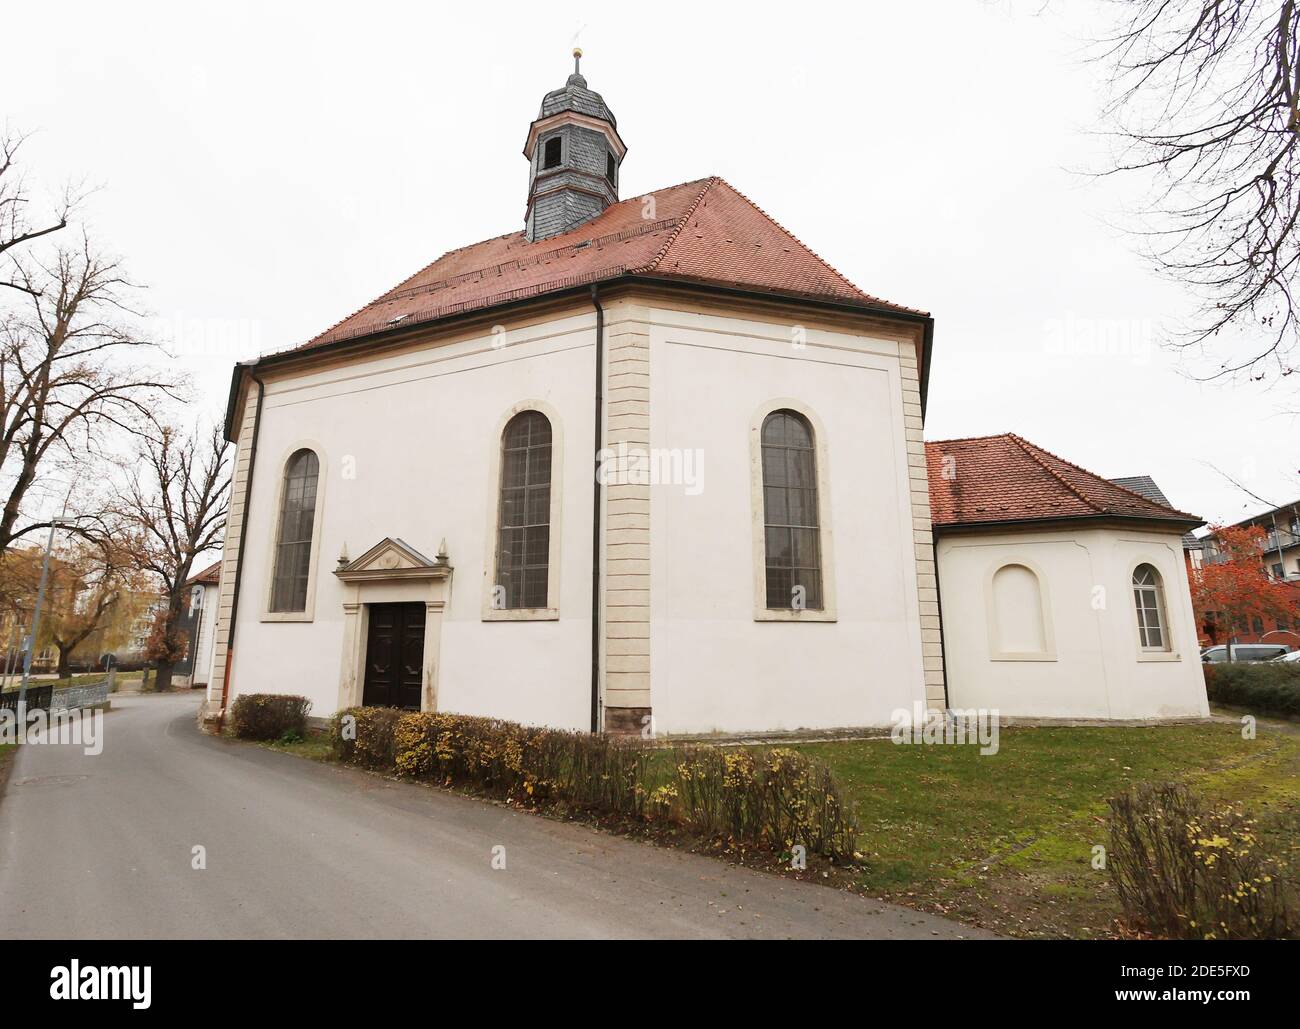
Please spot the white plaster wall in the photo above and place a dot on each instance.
(416, 431)
(713, 666)
(1098, 669)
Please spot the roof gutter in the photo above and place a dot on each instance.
(1167, 524)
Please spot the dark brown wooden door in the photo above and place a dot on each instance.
(395, 656)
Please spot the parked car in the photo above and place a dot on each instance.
(1245, 652)
(1293, 656)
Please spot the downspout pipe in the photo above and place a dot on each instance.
(595, 510)
(239, 559)
(943, 649)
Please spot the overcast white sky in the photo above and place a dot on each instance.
(265, 169)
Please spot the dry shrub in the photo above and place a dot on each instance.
(1184, 870)
(268, 716)
(365, 736)
(777, 797)
(596, 773)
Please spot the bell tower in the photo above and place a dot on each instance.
(574, 153)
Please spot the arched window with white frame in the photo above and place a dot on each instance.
(294, 533)
(524, 529)
(791, 513)
(1149, 605)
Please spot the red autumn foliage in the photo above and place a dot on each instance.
(166, 643)
(1230, 593)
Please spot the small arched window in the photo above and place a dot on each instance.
(1149, 601)
(791, 521)
(294, 534)
(524, 534)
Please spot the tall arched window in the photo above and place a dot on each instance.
(524, 534)
(1149, 600)
(294, 534)
(791, 523)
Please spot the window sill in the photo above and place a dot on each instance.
(288, 616)
(523, 614)
(780, 615)
(1159, 655)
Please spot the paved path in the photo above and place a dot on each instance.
(101, 846)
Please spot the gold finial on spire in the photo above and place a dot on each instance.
(577, 56)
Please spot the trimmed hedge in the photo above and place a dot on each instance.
(1265, 687)
(776, 797)
(268, 716)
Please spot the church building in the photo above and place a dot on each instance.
(651, 465)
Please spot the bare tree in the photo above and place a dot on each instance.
(15, 227)
(1207, 100)
(67, 384)
(176, 501)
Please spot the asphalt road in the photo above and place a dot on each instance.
(102, 847)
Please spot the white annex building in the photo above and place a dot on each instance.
(655, 459)
(204, 587)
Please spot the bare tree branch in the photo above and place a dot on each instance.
(15, 229)
(68, 391)
(1206, 99)
(176, 501)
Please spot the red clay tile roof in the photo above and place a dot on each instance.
(210, 576)
(702, 231)
(1008, 479)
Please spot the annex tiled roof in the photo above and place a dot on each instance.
(1008, 479)
(210, 576)
(702, 231)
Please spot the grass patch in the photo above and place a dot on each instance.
(314, 746)
(7, 753)
(84, 680)
(1006, 840)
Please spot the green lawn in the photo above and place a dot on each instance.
(6, 756)
(85, 680)
(315, 745)
(1006, 840)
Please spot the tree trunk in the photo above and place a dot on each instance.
(64, 671)
(163, 678)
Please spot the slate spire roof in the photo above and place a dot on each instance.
(1005, 478)
(575, 96)
(704, 231)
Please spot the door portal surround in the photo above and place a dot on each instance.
(391, 572)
